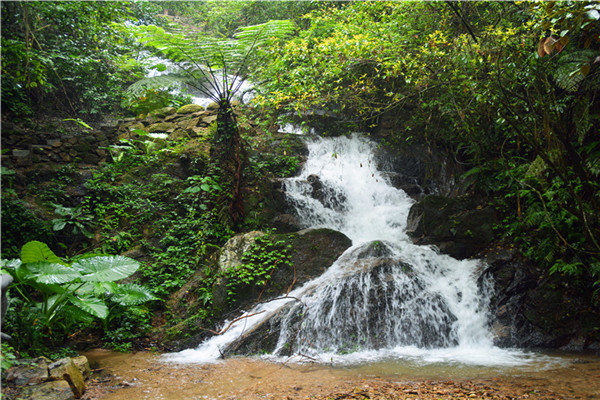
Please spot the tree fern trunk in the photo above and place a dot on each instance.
(226, 152)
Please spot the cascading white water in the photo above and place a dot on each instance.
(384, 297)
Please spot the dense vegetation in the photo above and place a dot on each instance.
(509, 90)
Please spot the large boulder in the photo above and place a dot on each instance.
(377, 304)
(66, 369)
(29, 372)
(457, 227)
(310, 253)
(532, 309)
(233, 251)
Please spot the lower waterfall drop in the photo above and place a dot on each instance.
(385, 296)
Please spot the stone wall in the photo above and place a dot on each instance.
(59, 144)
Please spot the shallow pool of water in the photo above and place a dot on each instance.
(147, 376)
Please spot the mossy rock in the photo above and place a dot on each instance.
(161, 127)
(189, 108)
(162, 112)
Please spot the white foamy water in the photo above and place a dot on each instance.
(384, 297)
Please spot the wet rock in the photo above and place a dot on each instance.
(457, 227)
(66, 369)
(380, 303)
(314, 250)
(408, 184)
(531, 309)
(56, 390)
(325, 194)
(512, 279)
(286, 223)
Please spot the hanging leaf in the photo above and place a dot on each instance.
(91, 305)
(132, 295)
(106, 268)
(35, 251)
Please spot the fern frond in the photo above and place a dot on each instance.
(216, 67)
(569, 73)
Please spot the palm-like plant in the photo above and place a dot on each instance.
(217, 68)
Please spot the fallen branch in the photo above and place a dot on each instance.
(222, 331)
(293, 281)
(238, 319)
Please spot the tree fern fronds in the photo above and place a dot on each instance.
(571, 70)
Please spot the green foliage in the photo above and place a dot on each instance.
(8, 357)
(215, 67)
(280, 165)
(58, 296)
(258, 263)
(72, 218)
(144, 101)
(126, 325)
(70, 57)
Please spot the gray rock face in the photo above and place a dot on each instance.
(459, 228)
(532, 310)
(32, 372)
(312, 251)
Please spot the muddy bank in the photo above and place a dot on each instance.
(144, 376)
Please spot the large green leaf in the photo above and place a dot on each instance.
(91, 305)
(35, 251)
(132, 295)
(97, 288)
(106, 268)
(51, 274)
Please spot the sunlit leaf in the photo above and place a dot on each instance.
(106, 268)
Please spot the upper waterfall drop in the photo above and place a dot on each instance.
(385, 296)
(353, 197)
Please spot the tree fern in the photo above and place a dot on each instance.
(216, 67)
(573, 68)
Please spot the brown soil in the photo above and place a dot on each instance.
(143, 376)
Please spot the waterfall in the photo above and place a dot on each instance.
(385, 296)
